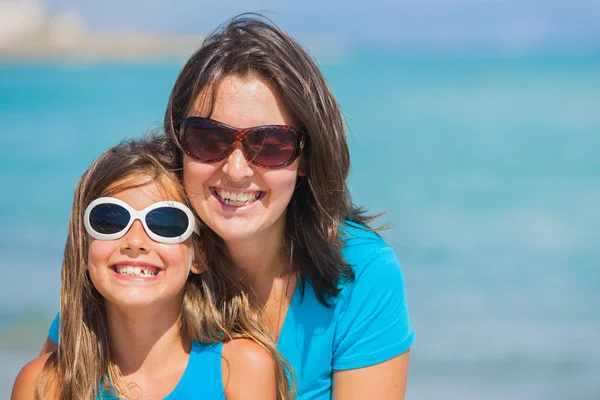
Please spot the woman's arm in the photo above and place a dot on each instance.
(248, 371)
(383, 381)
(26, 382)
(48, 347)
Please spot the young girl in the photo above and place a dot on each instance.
(141, 316)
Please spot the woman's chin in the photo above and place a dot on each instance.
(234, 233)
(236, 230)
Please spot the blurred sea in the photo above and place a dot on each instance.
(488, 165)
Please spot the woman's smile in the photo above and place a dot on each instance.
(236, 199)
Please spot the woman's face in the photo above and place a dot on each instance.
(236, 199)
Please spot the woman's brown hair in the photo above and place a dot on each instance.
(252, 46)
(214, 308)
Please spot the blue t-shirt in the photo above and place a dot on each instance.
(368, 322)
(202, 378)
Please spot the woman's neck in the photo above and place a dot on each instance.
(260, 261)
(146, 338)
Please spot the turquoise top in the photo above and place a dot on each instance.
(202, 378)
(368, 322)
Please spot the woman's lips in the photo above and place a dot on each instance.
(236, 199)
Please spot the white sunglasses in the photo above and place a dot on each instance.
(170, 222)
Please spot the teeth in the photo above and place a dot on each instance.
(236, 199)
(136, 271)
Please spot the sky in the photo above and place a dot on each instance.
(492, 22)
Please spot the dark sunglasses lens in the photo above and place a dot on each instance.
(206, 142)
(109, 218)
(167, 222)
(271, 147)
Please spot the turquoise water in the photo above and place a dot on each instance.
(488, 166)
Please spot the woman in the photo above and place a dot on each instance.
(264, 163)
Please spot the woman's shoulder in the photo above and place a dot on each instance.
(26, 381)
(371, 312)
(354, 232)
(364, 249)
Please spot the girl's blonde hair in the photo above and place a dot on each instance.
(215, 307)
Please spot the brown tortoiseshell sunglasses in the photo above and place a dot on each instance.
(268, 146)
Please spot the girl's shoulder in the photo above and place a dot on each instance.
(248, 370)
(26, 381)
(226, 370)
(246, 352)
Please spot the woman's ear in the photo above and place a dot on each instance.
(302, 166)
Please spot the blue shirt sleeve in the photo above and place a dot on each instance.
(53, 330)
(373, 322)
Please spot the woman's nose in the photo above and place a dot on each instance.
(237, 167)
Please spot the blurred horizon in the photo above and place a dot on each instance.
(497, 23)
(332, 32)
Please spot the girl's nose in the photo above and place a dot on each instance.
(136, 239)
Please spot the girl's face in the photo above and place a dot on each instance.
(236, 199)
(119, 268)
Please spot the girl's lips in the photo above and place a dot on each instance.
(136, 271)
(136, 278)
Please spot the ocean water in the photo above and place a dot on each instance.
(487, 166)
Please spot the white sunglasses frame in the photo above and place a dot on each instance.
(141, 216)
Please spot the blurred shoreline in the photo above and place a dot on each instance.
(101, 47)
(31, 32)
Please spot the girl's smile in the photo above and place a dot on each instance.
(132, 270)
